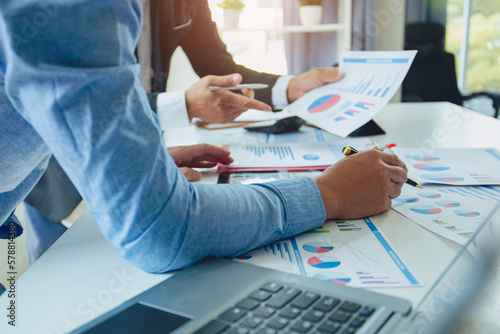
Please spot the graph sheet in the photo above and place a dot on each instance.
(452, 166)
(353, 253)
(454, 213)
(281, 155)
(371, 79)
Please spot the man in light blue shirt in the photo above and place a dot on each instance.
(70, 85)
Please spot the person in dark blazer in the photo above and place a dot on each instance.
(169, 24)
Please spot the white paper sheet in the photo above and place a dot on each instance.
(353, 253)
(372, 78)
(451, 212)
(452, 166)
(281, 155)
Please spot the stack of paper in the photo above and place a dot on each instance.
(443, 208)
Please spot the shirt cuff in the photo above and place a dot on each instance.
(303, 213)
(171, 110)
(280, 100)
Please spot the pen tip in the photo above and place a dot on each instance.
(419, 186)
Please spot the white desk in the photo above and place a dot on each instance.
(82, 276)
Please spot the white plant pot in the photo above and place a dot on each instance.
(310, 15)
(231, 18)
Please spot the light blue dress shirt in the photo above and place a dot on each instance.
(70, 85)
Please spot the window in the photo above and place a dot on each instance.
(254, 44)
(478, 56)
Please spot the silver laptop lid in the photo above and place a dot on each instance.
(449, 296)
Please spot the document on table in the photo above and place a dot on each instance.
(451, 212)
(353, 253)
(372, 78)
(452, 166)
(290, 155)
(281, 155)
(236, 136)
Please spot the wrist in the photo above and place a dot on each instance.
(328, 199)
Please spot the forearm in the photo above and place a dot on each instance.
(93, 113)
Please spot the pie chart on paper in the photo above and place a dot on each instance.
(431, 167)
(448, 204)
(430, 195)
(406, 199)
(323, 103)
(426, 209)
(323, 262)
(420, 158)
(317, 247)
(466, 213)
(442, 177)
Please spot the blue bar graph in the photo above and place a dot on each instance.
(385, 91)
(377, 60)
(346, 105)
(351, 112)
(282, 152)
(363, 105)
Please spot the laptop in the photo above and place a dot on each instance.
(225, 296)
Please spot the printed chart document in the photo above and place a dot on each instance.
(284, 152)
(238, 136)
(452, 166)
(281, 155)
(372, 78)
(451, 212)
(353, 253)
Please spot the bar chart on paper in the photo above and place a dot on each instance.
(281, 155)
(372, 78)
(353, 253)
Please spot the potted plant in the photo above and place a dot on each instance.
(310, 12)
(231, 13)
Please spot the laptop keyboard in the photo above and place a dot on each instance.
(276, 308)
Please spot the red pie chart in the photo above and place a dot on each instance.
(323, 103)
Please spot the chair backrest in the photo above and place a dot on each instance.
(432, 76)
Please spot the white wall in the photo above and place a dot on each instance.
(181, 75)
(390, 18)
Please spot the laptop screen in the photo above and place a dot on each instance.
(450, 294)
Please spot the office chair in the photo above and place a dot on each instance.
(432, 76)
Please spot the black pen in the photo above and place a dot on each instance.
(348, 150)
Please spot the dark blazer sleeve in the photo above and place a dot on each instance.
(208, 54)
(54, 195)
(152, 97)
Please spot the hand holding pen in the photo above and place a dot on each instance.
(361, 185)
(348, 150)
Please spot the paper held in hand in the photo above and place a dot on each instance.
(371, 80)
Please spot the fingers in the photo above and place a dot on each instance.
(393, 160)
(250, 93)
(394, 192)
(242, 102)
(190, 174)
(201, 155)
(361, 185)
(329, 74)
(212, 154)
(229, 80)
